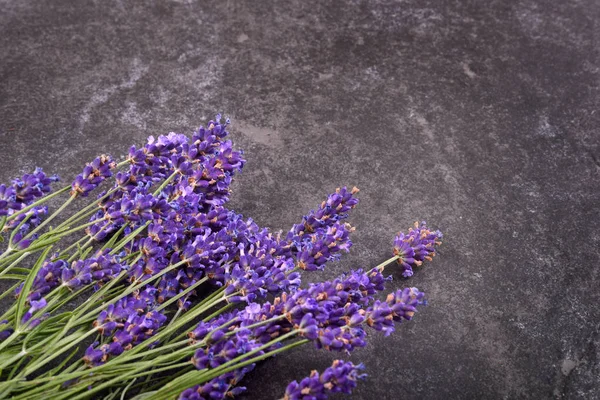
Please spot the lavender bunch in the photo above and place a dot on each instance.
(159, 255)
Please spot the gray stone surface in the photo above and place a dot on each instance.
(480, 117)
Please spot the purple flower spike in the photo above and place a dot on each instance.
(93, 175)
(24, 191)
(415, 247)
(341, 377)
(218, 388)
(32, 186)
(404, 303)
(7, 200)
(331, 210)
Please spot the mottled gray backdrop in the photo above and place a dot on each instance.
(478, 116)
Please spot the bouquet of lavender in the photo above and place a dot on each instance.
(156, 290)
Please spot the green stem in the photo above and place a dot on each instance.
(37, 203)
(15, 263)
(80, 227)
(72, 246)
(219, 312)
(80, 250)
(165, 183)
(209, 300)
(252, 360)
(111, 242)
(127, 388)
(77, 217)
(181, 294)
(129, 238)
(51, 217)
(35, 246)
(26, 288)
(381, 266)
(113, 363)
(55, 353)
(183, 364)
(84, 212)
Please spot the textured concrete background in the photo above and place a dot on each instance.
(480, 117)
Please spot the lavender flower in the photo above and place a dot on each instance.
(93, 175)
(32, 186)
(219, 388)
(404, 302)
(398, 306)
(203, 171)
(415, 247)
(98, 356)
(7, 200)
(330, 211)
(24, 191)
(341, 377)
(98, 269)
(27, 221)
(129, 322)
(323, 246)
(176, 190)
(331, 314)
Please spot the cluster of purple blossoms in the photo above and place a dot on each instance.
(398, 306)
(24, 222)
(332, 314)
(187, 222)
(181, 213)
(341, 377)
(223, 347)
(415, 247)
(198, 174)
(93, 175)
(24, 191)
(238, 254)
(333, 209)
(98, 269)
(324, 245)
(321, 223)
(128, 323)
(20, 194)
(222, 387)
(175, 190)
